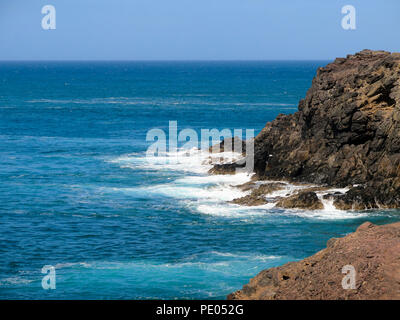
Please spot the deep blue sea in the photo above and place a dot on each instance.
(77, 193)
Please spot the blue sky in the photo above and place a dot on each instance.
(195, 29)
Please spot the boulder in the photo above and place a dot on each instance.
(301, 200)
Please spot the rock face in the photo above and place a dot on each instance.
(372, 250)
(346, 133)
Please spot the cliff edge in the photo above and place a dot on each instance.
(373, 251)
(346, 133)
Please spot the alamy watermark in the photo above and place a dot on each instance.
(49, 280)
(349, 20)
(49, 20)
(349, 280)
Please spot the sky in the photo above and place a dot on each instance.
(195, 29)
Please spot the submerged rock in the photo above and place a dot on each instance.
(373, 251)
(346, 132)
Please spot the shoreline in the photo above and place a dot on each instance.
(343, 140)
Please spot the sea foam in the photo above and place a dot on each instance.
(210, 194)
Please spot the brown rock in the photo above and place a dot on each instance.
(372, 250)
(302, 200)
(226, 168)
(257, 196)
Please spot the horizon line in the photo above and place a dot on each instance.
(163, 60)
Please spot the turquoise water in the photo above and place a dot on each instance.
(77, 193)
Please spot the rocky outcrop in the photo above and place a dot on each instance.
(373, 251)
(302, 200)
(346, 132)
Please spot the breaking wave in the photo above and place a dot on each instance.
(210, 195)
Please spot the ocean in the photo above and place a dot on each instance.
(77, 192)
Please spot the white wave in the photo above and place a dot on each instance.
(329, 207)
(193, 160)
(326, 214)
(233, 211)
(210, 194)
(329, 212)
(160, 101)
(287, 190)
(71, 264)
(246, 256)
(233, 180)
(192, 192)
(202, 260)
(254, 257)
(14, 281)
(180, 191)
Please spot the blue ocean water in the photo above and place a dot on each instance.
(77, 193)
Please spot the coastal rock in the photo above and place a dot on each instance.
(247, 186)
(226, 168)
(234, 144)
(302, 200)
(372, 250)
(358, 198)
(346, 132)
(258, 194)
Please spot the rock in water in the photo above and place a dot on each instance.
(302, 200)
(373, 251)
(257, 195)
(346, 132)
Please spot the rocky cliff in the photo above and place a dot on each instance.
(346, 133)
(372, 250)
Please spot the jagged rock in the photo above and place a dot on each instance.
(228, 145)
(346, 132)
(358, 198)
(247, 186)
(250, 200)
(301, 200)
(257, 196)
(372, 250)
(226, 168)
(332, 195)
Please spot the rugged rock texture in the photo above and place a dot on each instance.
(357, 198)
(230, 144)
(373, 251)
(302, 200)
(226, 168)
(258, 193)
(346, 132)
